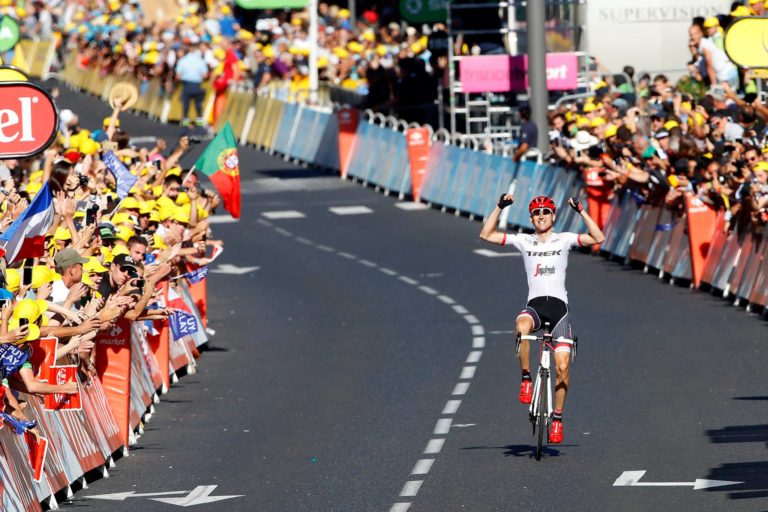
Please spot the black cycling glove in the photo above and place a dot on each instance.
(575, 204)
(503, 203)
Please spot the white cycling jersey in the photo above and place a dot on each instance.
(545, 262)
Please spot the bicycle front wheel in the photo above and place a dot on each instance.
(542, 412)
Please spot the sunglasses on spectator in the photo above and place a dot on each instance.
(541, 211)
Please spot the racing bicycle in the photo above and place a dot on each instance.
(540, 410)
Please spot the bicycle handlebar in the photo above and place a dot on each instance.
(541, 338)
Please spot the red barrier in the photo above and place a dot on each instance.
(158, 341)
(199, 293)
(348, 121)
(419, 142)
(702, 223)
(113, 364)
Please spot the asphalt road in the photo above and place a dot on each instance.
(371, 355)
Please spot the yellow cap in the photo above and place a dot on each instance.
(118, 250)
(42, 275)
(671, 124)
(12, 279)
(62, 233)
(589, 107)
(740, 11)
(344, 14)
(93, 265)
(174, 171)
(130, 203)
(712, 21)
(760, 166)
(369, 36)
(123, 233)
(610, 131)
(181, 215)
(598, 121)
(122, 218)
(183, 198)
(89, 146)
(106, 122)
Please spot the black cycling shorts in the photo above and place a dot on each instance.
(554, 311)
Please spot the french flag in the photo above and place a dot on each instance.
(25, 238)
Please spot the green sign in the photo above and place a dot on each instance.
(424, 11)
(9, 33)
(272, 4)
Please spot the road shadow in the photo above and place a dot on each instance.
(753, 476)
(751, 398)
(739, 434)
(523, 450)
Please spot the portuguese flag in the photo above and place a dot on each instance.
(220, 163)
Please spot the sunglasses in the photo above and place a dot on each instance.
(540, 211)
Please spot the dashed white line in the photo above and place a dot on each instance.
(264, 222)
(446, 299)
(410, 207)
(221, 219)
(434, 446)
(477, 330)
(478, 342)
(387, 271)
(283, 232)
(400, 507)
(474, 356)
(471, 319)
(408, 280)
(427, 289)
(283, 214)
(347, 255)
(303, 240)
(467, 372)
(443, 426)
(368, 263)
(422, 467)
(350, 210)
(461, 388)
(411, 488)
(460, 309)
(451, 406)
(325, 248)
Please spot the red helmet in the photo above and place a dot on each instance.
(542, 202)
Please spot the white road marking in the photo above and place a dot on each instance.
(471, 319)
(427, 289)
(228, 268)
(388, 271)
(422, 467)
(350, 210)
(463, 425)
(443, 426)
(347, 255)
(408, 280)
(264, 222)
(446, 299)
(411, 488)
(325, 248)
(303, 240)
(460, 309)
(451, 406)
(434, 446)
(477, 330)
(283, 232)
(478, 342)
(467, 372)
(283, 214)
(501, 332)
(222, 219)
(493, 254)
(474, 356)
(632, 479)
(409, 207)
(400, 507)
(368, 263)
(461, 388)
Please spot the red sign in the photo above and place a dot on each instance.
(418, 154)
(61, 375)
(28, 119)
(43, 357)
(348, 120)
(702, 222)
(38, 447)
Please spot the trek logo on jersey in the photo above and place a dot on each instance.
(546, 253)
(544, 271)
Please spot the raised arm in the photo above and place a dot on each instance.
(489, 233)
(594, 234)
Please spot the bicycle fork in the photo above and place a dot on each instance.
(542, 379)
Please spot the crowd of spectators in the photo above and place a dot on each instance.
(705, 134)
(103, 256)
(381, 59)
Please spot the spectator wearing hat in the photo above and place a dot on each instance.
(121, 270)
(718, 66)
(68, 291)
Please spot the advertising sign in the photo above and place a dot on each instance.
(61, 375)
(28, 119)
(745, 42)
(505, 73)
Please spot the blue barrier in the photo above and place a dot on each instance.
(282, 143)
(432, 179)
(327, 154)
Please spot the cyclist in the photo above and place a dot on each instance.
(545, 256)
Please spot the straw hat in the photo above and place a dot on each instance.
(126, 92)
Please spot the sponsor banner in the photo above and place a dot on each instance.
(702, 223)
(349, 118)
(30, 120)
(38, 448)
(113, 365)
(43, 357)
(419, 142)
(505, 73)
(157, 338)
(60, 375)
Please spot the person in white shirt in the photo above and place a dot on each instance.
(68, 291)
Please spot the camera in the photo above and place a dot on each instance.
(83, 180)
(195, 140)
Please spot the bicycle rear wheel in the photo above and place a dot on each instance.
(541, 420)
